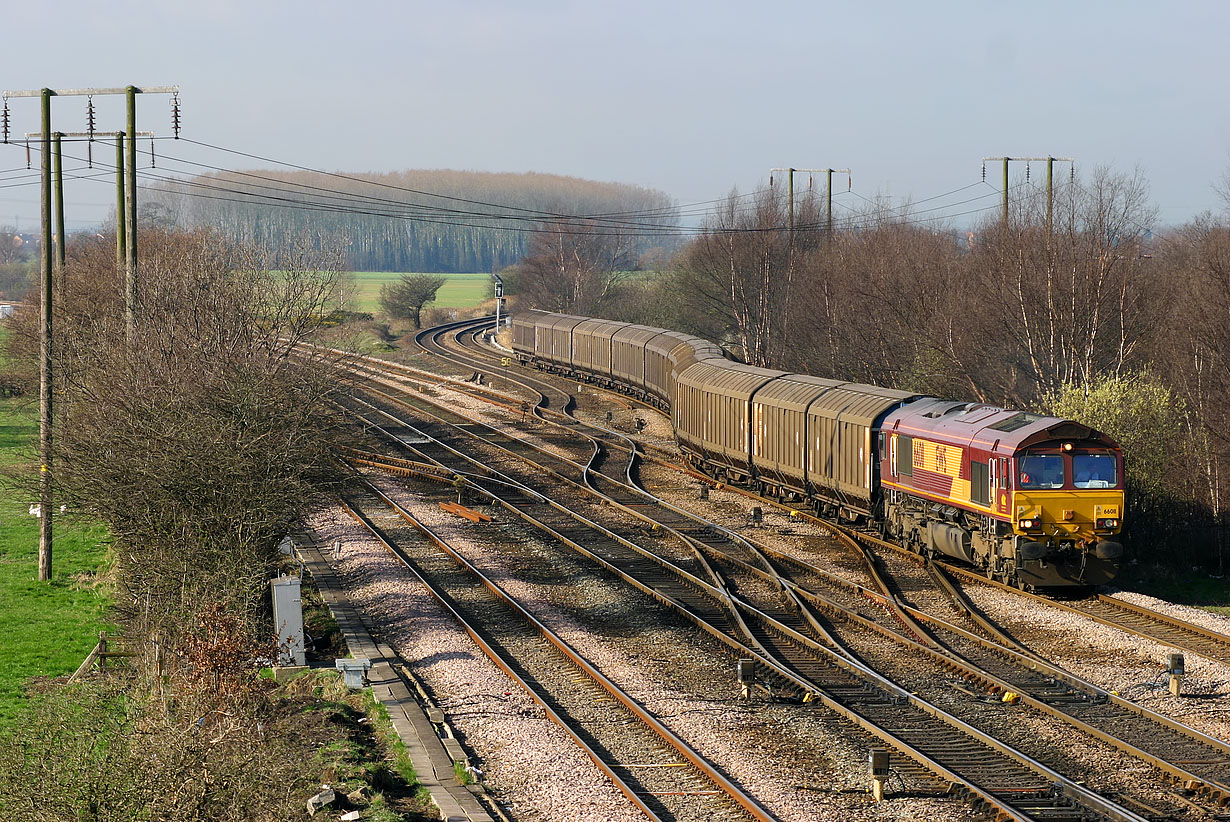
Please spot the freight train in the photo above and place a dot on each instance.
(1030, 500)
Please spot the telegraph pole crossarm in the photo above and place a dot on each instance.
(790, 172)
(1050, 167)
(93, 92)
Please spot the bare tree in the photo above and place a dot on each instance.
(574, 266)
(405, 298)
(199, 445)
(742, 269)
(1074, 305)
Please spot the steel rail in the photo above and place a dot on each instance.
(1207, 643)
(1141, 621)
(498, 660)
(1217, 790)
(699, 762)
(1025, 659)
(1070, 789)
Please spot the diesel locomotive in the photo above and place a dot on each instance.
(1031, 500)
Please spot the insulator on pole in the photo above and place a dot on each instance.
(27, 153)
(175, 114)
(89, 117)
(153, 161)
(984, 172)
(4, 120)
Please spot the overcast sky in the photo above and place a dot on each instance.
(692, 98)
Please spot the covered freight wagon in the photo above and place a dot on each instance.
(711, 412)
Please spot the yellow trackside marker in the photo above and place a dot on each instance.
(1011, 698)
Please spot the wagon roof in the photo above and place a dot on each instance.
(562, 321)
(722, 376)
(637, 333)
(1000, 431)
(600, 328)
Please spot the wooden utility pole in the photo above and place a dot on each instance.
(121, 251)
(44, 369)
(1050, 171)
(130, 268)
(45, 393)
(61, 237)
(121, 203)
(790, 172)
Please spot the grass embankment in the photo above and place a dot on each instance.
(459, 291)
(46, 629)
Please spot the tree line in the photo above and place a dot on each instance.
(470, 222)
(198, 441)
(1094, 313)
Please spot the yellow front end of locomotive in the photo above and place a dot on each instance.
(1068, 516)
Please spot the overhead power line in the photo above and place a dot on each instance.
(287, 194)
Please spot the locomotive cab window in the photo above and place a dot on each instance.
(905, 456)
(1094, 471)
(1040, 471)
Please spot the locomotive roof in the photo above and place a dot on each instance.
(1000, 431)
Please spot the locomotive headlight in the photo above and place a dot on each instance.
(1029, 524)
(1107, 524)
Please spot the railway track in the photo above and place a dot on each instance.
(613, 729)
(1025, 783)
(1078, 693)
(1135, 619)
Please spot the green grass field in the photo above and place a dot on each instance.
(460, 291)
(46, 629)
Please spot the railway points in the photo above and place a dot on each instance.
(580, 450)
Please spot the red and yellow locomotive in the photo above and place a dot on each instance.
(1031, 500)
(1038, 499)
